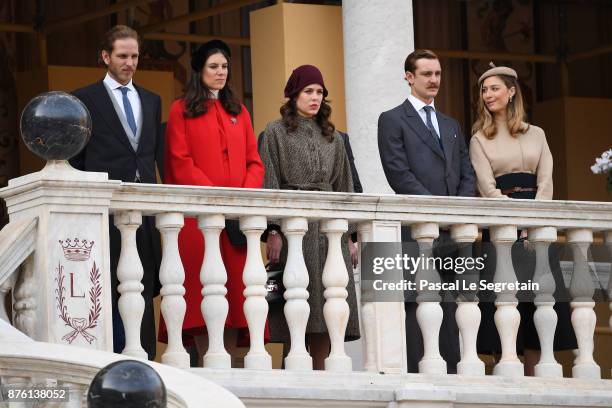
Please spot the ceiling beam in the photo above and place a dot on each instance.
(92, 15)
(590, 54)
(198, 15)
(17, 28)
(195, 38)
(499, 56)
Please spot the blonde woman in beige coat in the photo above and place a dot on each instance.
(511, 159)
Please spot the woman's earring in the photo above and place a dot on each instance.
(510, 100)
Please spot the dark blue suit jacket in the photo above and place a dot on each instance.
(413, 160)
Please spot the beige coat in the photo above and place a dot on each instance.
(527, 153)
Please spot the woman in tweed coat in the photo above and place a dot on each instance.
(303, 151)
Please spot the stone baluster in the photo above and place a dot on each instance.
(336, 309)
(172, 276)
(214, 305)
(295, 280)
(77, 394)
(130, 273)
(583, 315)
(545, 317)
(507, 317)
(429, 312)
(4, 290)
(468, 312)
(17, 383)
(368, 308)
(608, 240)
(255, 304)
(24, 295)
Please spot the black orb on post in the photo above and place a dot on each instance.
(55, 125)
(127, 384)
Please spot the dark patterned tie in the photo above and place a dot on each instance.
(129, 113)
(428, 109)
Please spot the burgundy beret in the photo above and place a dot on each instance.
(301, 77)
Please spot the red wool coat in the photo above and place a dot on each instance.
(215, 149)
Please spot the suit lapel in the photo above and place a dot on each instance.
(102, 100)
(146, 113)
(416, 123)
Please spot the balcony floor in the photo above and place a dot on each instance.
(279, 388)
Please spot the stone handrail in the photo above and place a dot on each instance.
(191, 200)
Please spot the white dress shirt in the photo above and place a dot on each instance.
(419, 105)
(132, 95)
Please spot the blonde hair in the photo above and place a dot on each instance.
(515, 109)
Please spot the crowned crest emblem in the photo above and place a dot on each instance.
(76, 250)
(80, 325)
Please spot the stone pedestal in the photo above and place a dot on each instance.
(63, 293)
(383, 324)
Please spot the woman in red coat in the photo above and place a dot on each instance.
(210, 142)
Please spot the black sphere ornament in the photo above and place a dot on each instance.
(127, 384)
(55, 125)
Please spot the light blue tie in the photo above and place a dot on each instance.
(129, 113)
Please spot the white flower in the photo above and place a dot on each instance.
(603, 164)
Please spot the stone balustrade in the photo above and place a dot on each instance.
(377, 218)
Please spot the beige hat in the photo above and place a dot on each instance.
(497, 71)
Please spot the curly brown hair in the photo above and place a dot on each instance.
(290, 114)
(197, 95)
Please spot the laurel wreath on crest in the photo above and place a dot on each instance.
(80, 325)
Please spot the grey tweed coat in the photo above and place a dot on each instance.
(306, 160)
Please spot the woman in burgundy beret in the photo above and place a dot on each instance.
(303, 151)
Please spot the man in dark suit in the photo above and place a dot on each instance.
(423, 152)
(125, 139)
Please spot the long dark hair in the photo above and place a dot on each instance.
(197, 95)
(290, 114)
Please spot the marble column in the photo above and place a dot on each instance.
(378, 35)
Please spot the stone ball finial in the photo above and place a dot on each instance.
(127, 384)
(55, 125)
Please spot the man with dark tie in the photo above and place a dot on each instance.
(125, 139)
(423, 152)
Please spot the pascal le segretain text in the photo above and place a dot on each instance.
(483, 284)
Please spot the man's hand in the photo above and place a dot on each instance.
(354, 251)
(274, 245)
